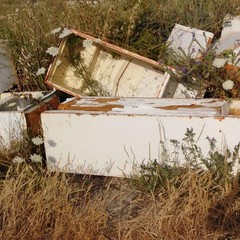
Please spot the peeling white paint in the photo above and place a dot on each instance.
(113, 143)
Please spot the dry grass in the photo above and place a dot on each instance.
(47, 205)
(142, 26)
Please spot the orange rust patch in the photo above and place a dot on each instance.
(106, 100)
(105, 108)
(220, 118)
(234, 111)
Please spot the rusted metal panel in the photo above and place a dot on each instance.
(111, 136)
(21, 111)
(88, 66)
(7, 72)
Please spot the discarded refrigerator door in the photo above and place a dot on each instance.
(112, 136)
(88, 66)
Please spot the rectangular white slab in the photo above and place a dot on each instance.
(110, 140)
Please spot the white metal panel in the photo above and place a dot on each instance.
(191, 41)
(183, 92)
(13, 110)
(109, 136)
(113, 145)
(229, 41)
(141, 80)
(7, 72)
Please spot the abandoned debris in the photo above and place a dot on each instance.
(89, 66)
(126, 132)
(188, 41)
(120, 104)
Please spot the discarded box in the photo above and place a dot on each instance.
(111, 136)
(89, 66)
(21, 111)
(7, 72)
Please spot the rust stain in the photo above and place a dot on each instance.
(220, 118)
(176, 107)
(234, 111)
(106, 100)
(33, 118)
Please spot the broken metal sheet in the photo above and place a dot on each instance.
(116, 137)
(21, 111)
(88, 66)
(7, 72)
(189, 41)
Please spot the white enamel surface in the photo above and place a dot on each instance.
(7, 72)
(229, 41)
(140, 80)
(113, 143)
(183, 37)
(13, 107)
(108, 70)
(117, 72)
(231, 24)
(183, 92)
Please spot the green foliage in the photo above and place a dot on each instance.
(142, 26)
(167, 172)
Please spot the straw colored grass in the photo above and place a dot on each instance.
(59, 206)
